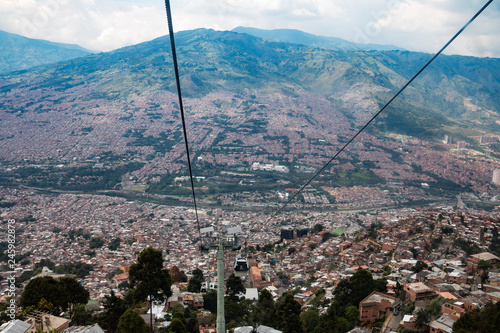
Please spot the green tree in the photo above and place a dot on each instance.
(62, 293)
(423, 318)
(114, 244)
(194, 285)
(114, 308)
(317, 228)
(96, 242)
(210, 301)
(234, 286)
(80, 315)
(74, 292)
(176, 326)
(198, 274)
(288, 314)
(264, 311)
(131, 322)
(484, 265)
(147, 277)
(309, 320)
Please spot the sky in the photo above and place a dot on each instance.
(416, 25)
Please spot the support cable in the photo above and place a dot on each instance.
(181, 107)
(382, 109)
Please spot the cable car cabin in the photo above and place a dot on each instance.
(241, 265)
(210, 239)
(229, 242)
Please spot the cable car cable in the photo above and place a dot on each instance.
(382, 109)
(181, 107)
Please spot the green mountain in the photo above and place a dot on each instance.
(457, 94)
(18, 52)
(304, 38)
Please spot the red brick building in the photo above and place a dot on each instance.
(375, 306)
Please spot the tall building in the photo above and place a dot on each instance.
(496, 176)
(286, 233)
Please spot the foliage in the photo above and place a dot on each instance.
(80, 315)
(176, 326)
(114, 308)
(479, 321)
(317, 228)
(96, 242)
(288, 314)
(63, 294)
(131, 322)
(264, 312)
(147, 277)
(177, 275)
(234, 286)
(114, 244)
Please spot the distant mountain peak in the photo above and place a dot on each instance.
(19, 52)
(304, 38)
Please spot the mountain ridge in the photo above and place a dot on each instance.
(300, 37)
(19, 53)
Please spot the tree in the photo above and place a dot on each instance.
(96, 242)
(309, 320)
(194, 285)
(291, 250)
(114, 244)
(484, 265)
(317, 228)
(131, 322)
(210, 301)
(198, 274)
(264, 312)
(80, 315)
(288, 314)
(176, 326)
(177, 275)
(75, 293)
(114, 308)
(148, 278)
(234, 285)
(63, 293)
(423, 318)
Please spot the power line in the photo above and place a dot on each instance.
(181, 107)
(382, 109)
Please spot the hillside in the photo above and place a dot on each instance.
(18, 52)
(304, 38)
(248, 100)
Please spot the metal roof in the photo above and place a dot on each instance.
(15, 326)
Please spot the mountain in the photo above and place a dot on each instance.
(248, 100)
(455, 90)
(18, 52)
(304, 38)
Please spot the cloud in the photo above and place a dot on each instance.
(417, 25)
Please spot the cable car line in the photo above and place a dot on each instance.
(381, 110)
(181, 107)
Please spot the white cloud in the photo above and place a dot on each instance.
(418, 25)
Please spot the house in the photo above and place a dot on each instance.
(419, 291)
(15, 326)
(474, 259)
(375, 306)
(84, 329)
(44, 321)
(443, 324)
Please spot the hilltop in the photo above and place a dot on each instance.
(19, 53)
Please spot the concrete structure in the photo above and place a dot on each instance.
(419, 291)
(474, 259)
(496, 177)
(375, 306)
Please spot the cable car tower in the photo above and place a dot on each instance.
(211, 240)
